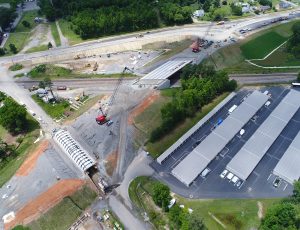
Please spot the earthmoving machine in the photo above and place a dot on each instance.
(102, 118)
(196, 46)
(95, 66)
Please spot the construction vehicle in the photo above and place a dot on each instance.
(95, 66)
(102, 118)
(196, 46)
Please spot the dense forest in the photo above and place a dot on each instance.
(200, 85)
(94, 18)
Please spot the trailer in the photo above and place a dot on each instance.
(232, 109)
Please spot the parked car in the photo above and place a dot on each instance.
(239, 183)
(229, 176)
(277, 182)
(234, 179)
(205, 172)
(223, 174)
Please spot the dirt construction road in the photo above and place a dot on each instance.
(45, 201)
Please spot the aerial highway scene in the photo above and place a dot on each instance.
(141, 114)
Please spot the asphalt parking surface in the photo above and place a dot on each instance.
(260, 182)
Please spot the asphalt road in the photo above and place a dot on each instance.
(263, 78)
(218, 32)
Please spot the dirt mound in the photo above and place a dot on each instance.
(111, 164)
(142, 106)
(45, 201)
(31, 160)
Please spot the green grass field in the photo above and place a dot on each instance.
(55, 34)
(65, 27)
(233, 213)
(279, 58)
(54, 110)
(232, 59)
(37, 49)
(262, 45)
(63, 215)
(29, 17)
(158, 147)
(58, 72)
(19, 39)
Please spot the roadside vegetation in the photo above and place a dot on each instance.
(18, 130)
(232, 213)
(16, 67)
(200, 86)
(55, 34)
(37, 49)
(57, 72)
(168, 49)
(18, 38)
(90, 19)
(64, 214)
(233, 58)
(153, 198)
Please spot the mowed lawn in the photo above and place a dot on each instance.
(279, 58)
(66, 30)
(233, 213)
(262, 45)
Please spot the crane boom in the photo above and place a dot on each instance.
(102, 119)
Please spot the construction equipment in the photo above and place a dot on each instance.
(196, 46)
(95, 66)
(102, 118)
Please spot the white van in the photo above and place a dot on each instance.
(229, 176)
(205, 172)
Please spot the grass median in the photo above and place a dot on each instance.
(55, 33)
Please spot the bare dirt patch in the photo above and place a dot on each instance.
(45, 201)
(111, 163)
(142, 106)
(31, 160)
(260, 212)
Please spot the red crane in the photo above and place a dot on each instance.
(102, 118)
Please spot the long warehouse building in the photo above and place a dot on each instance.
(245, 161)
(288, 166)
(194, 129)
(192, 165)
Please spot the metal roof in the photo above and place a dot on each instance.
(189, 133)
(288, 166)
(78, 155)
(168, 69)
(245, 161)
(209, 148)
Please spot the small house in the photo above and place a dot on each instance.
(198, 13)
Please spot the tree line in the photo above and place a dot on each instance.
(285, 214)
(91, 18)
(293, 45)
(13, 116)
(179, 218)
(200, 85)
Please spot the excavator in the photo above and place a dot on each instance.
(102, 118)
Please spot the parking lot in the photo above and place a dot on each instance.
(260, 182)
